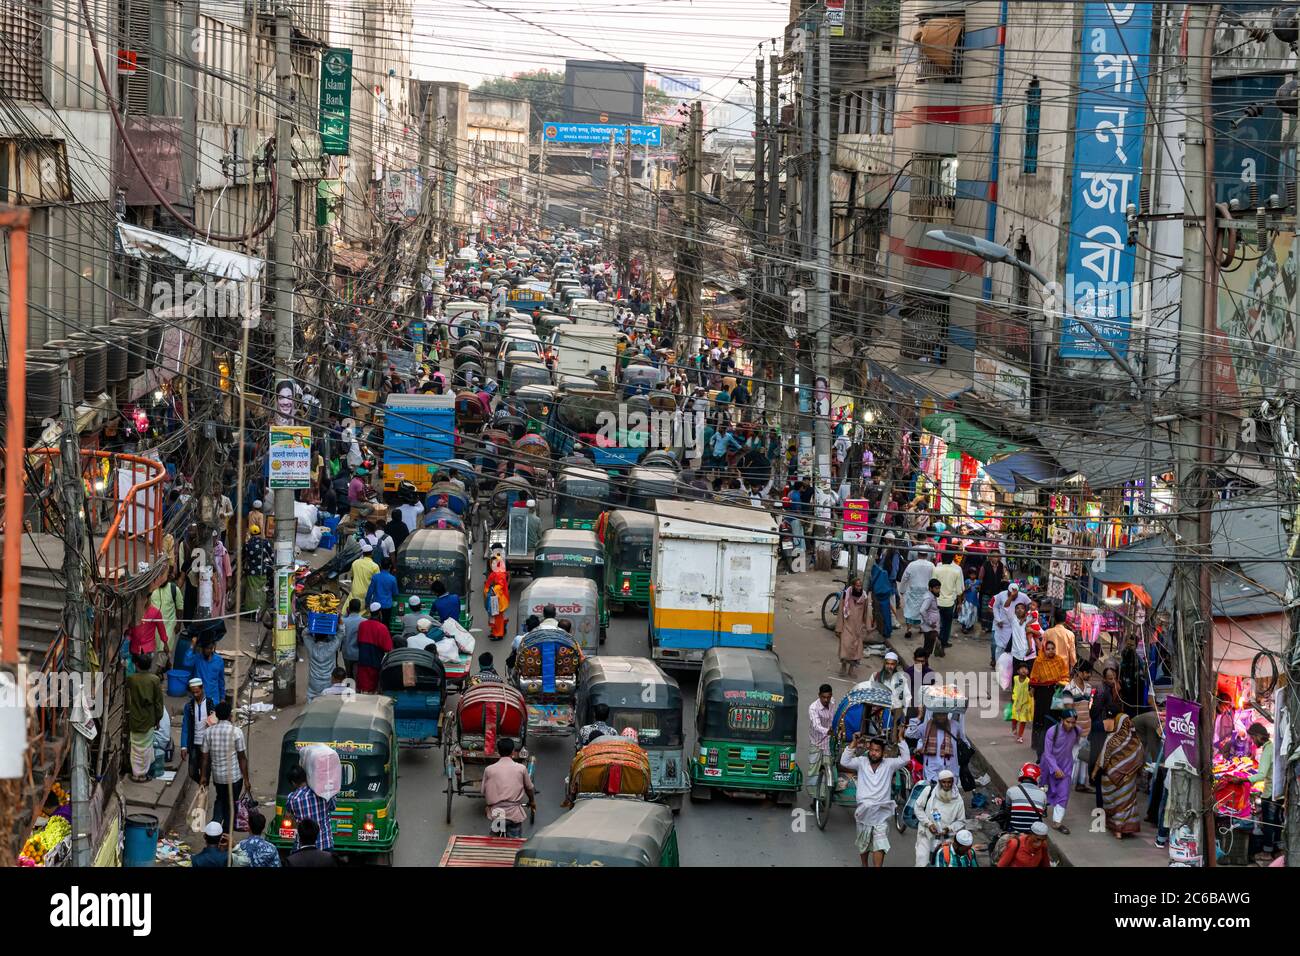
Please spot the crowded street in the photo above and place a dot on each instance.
(824, 434)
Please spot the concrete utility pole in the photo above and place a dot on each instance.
(1290, 792)
(609, 192)
(624, 228)
(688, 260)
(285, 521)
(822, 317)
(772, 239)
(1191, 572)
(758, 219)
(75, 562)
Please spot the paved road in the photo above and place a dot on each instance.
(722, 832)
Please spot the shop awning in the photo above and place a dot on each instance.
(919, 381)
(1248, 546)
(1238, 640)
(938, 39)
(140, 243)
(973, 439)
(354, 260)
(1025, 470)
(1111, 456)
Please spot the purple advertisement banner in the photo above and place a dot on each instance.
(1182, 719)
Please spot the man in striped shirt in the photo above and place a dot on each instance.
(1027, 800)
(303, 804)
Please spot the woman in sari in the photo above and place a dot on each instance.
(1049, 672)
(496, 597)
(1121, 759)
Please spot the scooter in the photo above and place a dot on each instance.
(791, 557)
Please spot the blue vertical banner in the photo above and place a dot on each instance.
(1109, 135)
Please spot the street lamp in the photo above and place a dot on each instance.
(995, 252)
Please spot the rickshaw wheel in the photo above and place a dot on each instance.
(821, 811)
(830, 608)
(903, 790)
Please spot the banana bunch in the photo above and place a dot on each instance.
(323, 603)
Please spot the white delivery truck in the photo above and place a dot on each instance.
(583, 349)
(591, 312)
(712, 580)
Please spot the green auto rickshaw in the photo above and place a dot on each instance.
(433, 554)
(629, 547)
(566, 552)
(746, 726)
(608, 832)
(645, 486)
(640, 695)
(359, 728)
(581, 494)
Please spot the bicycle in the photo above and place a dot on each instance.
(831, 609)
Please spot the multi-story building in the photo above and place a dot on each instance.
(498, 161)
(385, 132)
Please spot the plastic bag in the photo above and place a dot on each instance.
(306, 515)
(1005, 662)
(324, 771)
(463, 638)
(308, 540)
(244, 805)
(967, 616)
(197, 814)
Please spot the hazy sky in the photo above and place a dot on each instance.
(714, 40)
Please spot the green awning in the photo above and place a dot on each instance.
(960, 432)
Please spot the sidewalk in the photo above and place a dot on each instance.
(168, 800)
(1088, 843)
(799, 600)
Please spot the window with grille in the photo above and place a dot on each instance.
(22, 49)
(133, 89)
(34, 171)
(934, 187)
(1033, 111)
(925, 329)
(939, 42)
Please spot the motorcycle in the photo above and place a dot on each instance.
(791, 557)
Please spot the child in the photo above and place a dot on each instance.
(1022, 703)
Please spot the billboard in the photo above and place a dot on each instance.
(1110, 124)
(680, 87)
(604, 91)
(598, 133)
(335, 101)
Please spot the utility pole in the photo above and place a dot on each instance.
(761, 145)
(1290, 480)
(609, 192)
(624, 231)
(75, 558)
(772, 238)
(822, 340)
(758, 220)
(688, 261)
(285, 520)
(1187, 806)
